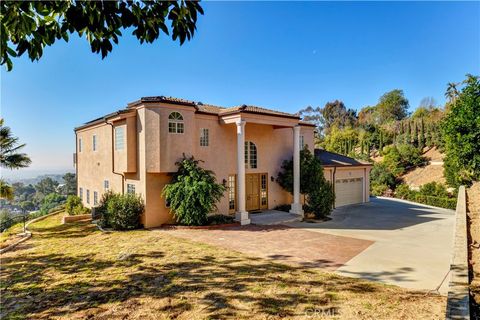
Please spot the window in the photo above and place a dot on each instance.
(80, 145)
(80, 194)
(231, 187)
(94, 142)
(263, 191)
(302, 142)
(175, 123)
(130, 188)
(250, 155)
(106, 184)
(88, 196)
(204, 137)
(119, 138)
(95, 198)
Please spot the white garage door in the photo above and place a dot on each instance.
(348, 191)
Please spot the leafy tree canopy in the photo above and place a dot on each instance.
(30, 26)
(461, 133)
(392, 106)
(70, 187)
(46, 186)
(335, 114)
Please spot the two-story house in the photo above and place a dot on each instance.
(135, 150)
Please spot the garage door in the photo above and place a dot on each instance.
(348, 191)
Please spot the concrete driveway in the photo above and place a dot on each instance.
(412, 243)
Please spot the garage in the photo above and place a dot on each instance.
(348, 191)
(350, 177)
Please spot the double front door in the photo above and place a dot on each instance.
(256, 191)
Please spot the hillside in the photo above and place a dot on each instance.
(432, 172)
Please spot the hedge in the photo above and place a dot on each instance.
(448, 203)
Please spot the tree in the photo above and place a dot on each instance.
(70, 187)
(46, 186)
(193, 192)
(27, 205)
(319, 192)
(30, 26)
(461, 133)
(10, 157)
(50, 202)
(336, 114)
(6, 191)
(452, 92)
(392, 106)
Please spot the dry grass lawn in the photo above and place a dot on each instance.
(77, 272)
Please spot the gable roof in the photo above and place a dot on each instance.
(331, 159)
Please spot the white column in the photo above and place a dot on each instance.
(241, 215)
(296, 205)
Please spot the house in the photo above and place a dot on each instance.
(134, 150)
(350, 177)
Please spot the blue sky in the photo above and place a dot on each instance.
(281, 55)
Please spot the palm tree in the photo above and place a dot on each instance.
(10, 157)
(452, 92)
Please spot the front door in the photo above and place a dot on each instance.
(252, 191)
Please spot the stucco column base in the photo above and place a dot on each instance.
(242, 217)
(296, 208)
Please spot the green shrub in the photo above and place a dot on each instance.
(320, 201)
(403, 191)
(381, 175)
(192, 193)
(318, 191)
(79, 210)
(379, 189)
(448, 203)
(51, 201)
(434, 189)
(124, 211)
(72, 203)
(101, 210)
(402, 157)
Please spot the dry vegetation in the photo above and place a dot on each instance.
(12, 235)
(473, 196)
(76, 272)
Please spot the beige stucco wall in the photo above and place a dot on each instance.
(94, 167)
(157, 150)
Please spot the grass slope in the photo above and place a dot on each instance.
(76, 272)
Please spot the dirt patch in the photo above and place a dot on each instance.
(473, 223)
(422, 175)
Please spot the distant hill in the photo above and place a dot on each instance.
(57, 177)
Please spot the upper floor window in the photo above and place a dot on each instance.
(302, 142)
(250, 155)
(94, 142)
(130, 188)
(80, 145)
(204, 137)
(175, 123)
(119, 138)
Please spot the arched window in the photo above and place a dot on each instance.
(250, 155)
(175, 123)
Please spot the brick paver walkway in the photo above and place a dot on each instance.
(281, 243)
